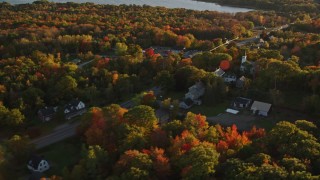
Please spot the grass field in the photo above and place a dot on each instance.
(209, 110)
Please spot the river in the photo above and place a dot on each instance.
(187, 4)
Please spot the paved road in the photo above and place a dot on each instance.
(257, 37)
(85, 63)
(69, 129)
(60, 133)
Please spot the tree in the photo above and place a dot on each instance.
(19, 149)
(121, 49)
(165, 80)
(199, 162)
(133, 165)
(142, 116)
(65, 87)
(287, 138)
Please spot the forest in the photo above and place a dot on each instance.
(104, 55)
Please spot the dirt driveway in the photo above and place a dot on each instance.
(243, 122)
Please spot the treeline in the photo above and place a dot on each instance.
(78, 28)
(294, 6)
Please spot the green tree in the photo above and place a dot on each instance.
(121, 49)
(199, 162)
(142, 116)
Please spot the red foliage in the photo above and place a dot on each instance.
(149, 52)
(222, 146)
(186, 147)
(225, 65)
(148, 99)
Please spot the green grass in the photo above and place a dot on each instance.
(61, 155)
(209, 110)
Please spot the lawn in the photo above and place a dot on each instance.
(60, 155)
(209, 110)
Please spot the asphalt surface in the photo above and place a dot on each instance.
(60, 133)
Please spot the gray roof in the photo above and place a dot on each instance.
(261, 106)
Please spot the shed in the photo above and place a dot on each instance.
(260, 108)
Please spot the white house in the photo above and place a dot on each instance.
(219, 72)
(38, 164)
(229, 78)
(74, 108)
(260, 108)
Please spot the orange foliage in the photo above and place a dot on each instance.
(185, 62)
(160, 162)
(183, 143)
(255, 133)
(231, 139)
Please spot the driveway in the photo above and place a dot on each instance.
(243, 122)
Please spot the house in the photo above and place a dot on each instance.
(186, 103)
(76, 61)
(47, 113)
(38, 164)
(260, 108)
(219, 72)
(193, 96)
(241, 82)
(74, 108)
(241, 102)
(195, 91)
(246, 66)
(229, 78)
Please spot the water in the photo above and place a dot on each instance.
(187, 4)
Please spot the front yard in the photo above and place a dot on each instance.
(209, 110)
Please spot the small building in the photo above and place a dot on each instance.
(186, 103)
(47, 113)
(229, 78)
(219, 72)
(74, 108)
(38, 164)
(241, 82)
(260, 108)
(241, 102)
(76, 61)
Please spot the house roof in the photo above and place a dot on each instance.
(34, 161)
(219, 72)
(71, 106)
(47, 111)
(242, 100)
(261, 106)
(232, 111)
